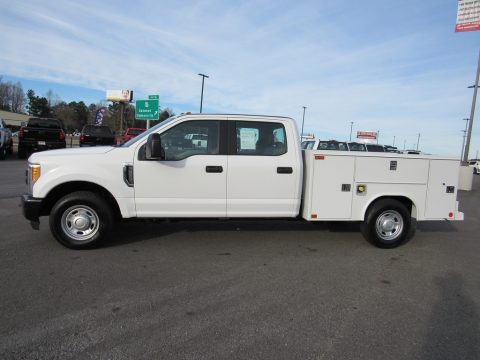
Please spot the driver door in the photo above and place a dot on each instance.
(192, 179)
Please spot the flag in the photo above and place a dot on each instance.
(99, 116)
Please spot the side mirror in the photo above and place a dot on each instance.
(153, 150)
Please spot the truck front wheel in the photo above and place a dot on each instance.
(81, 220)
(387, 224)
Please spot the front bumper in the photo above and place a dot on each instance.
(31, 209)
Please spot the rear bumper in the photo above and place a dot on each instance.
(31, 209)
(35, 146)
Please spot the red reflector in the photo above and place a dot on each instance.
(450, 214)
(314, 216)
(319, 157)
(21, 133)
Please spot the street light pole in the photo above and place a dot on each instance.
(472, 114)
(418, 140)
(201, 98)
(351, 128)
(393, 140)
(464, 136)
(303, 122)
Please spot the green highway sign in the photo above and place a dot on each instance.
(146, 109)
(153, 97)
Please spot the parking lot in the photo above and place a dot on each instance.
(238, 289)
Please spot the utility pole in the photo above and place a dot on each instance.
(418, 140)
(464, 136)
(351, 128)
(472, 114)
(201, 98)
(303, 122)
(393, 140)
(404, 143)
(378, 135)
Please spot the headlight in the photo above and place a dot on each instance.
(34, 172)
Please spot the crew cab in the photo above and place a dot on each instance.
(245, 167)
(40, 134)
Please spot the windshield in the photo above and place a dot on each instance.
(148, 132)
(44, 123)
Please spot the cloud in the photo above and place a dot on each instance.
(379, 67)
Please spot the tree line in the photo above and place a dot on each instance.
(74, 114)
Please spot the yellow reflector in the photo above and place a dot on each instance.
(319, 157)
(35, 172)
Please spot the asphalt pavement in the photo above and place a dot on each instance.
(229, 289)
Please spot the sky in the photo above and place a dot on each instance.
(395, 66)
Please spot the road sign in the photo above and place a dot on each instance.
(153, 97)
(468, 15)
(146, 110)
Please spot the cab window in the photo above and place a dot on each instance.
(191, 138)
(260, 138)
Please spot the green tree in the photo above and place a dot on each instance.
(38, 106)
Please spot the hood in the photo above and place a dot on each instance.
(97, 150)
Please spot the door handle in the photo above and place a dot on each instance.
(214, 169)
(284, 170)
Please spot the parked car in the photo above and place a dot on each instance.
(308, 144)
(391, 149)
(332, 145)
(375, 148)
(40, 134)
(6, 142)
(354, 146)
(130, 133)
(94, 135)
(475, 163)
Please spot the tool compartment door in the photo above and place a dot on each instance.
(331, 187)
(442, 189)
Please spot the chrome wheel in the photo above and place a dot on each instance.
(80, 222)
(389, 225)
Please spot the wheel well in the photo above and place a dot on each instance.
(402, 199)
(63, 189)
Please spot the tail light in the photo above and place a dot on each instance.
(61, 136)
(82, 138)
(21, 133)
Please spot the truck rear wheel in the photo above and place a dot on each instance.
(387, 224)
(81, 220)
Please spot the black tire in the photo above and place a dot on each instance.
(10, 148)
(387, 224)
(3, 153)
(81, 220)
(475, 171)
(22, 152)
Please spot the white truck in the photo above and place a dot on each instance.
(250, 167)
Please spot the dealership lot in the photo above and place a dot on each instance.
(238, 289)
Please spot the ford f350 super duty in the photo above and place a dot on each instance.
(244, 167)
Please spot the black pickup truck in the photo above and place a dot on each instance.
(94, 135)
(40, 134)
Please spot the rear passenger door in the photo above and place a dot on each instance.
(263, 175)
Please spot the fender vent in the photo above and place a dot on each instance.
(128, 175)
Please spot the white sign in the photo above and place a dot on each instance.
(371, 135)
(468, 15)
(248, 139)
(120, 95)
